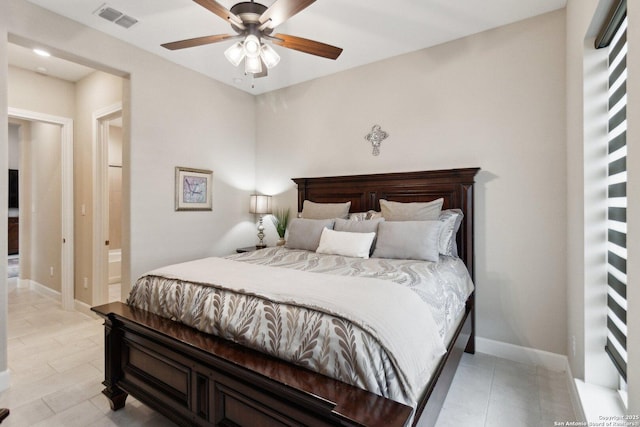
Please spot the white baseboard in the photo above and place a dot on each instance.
(552, 361)
(12, 283)
(516, 353)
(4, 380)
(43, 290)
(84, 308)
(50, 293)
(574, 395)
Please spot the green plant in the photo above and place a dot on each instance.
(280, 219)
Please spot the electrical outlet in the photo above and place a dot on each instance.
(51, 271)
(85, 283)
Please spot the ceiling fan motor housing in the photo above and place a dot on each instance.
(249, 13)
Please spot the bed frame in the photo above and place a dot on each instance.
(196, 379)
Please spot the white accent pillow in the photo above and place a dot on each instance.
(313, 210)
(345, 243)
(412, 211)
(305, 233)
(408, 240)
(451, 220)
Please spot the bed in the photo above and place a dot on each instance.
(195, 378)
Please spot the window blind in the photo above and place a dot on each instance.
(616, 345)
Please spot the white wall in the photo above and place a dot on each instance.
(494, 100)
(4, 145)
(633, 219)
(584, 364)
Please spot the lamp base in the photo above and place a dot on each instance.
(261, 244)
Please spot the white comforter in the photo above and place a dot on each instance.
(372, 333)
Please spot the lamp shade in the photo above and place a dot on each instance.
(260, 204)
(252, 65)
(235, 53)
(269, 56)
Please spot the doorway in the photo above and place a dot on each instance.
(47, 209)
(108, 204)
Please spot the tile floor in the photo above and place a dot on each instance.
(56, 364)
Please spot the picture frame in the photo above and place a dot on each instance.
(193, 189)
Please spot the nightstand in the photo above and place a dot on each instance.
(247, 249)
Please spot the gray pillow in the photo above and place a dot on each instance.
(412, 211)
(408, 240)
(451, 220)
(313, 210)
(305, 233)
(366, 226)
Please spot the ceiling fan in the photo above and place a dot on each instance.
(254, 23)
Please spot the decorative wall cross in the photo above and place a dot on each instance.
(375, 137)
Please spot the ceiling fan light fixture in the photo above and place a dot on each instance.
(235, 53)
(252, 46)
(252, 65)
(269, 56)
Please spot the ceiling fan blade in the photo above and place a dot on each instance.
(306, 46)
(221, 11)
(198, 41)
(282, 10)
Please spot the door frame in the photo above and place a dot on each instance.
(100, 120)
(67, 244)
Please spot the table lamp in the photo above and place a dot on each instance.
(261, 205)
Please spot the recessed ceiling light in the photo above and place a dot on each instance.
(41, 70)
(41, 52)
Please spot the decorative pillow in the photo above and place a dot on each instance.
(413, 211)
(312, 210)
(408, 240)
(366, 226)
(451, 220)
(345, 243)
(364, 216)
(305, 233)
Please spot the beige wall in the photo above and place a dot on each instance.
(94, 92)
(176, 117)
(115, 187)
(40, 213)
(44, 94)
(493, 100)
(42, 199)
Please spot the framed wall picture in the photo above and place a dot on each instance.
(193, 189)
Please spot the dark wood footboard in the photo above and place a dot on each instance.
(197, 379)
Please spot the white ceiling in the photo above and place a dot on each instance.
(25, 58)
(367, 30)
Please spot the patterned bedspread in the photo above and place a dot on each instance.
(313, 334)
(444, 285)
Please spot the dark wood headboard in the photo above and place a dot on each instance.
(455, 186)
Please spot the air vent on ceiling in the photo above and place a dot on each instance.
(115, 16)
(126, 21)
